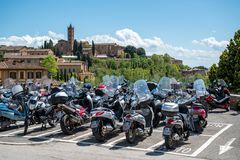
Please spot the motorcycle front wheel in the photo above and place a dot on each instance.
(170, 143)
(67, 125)
(131, 134)
(198, 127)
(99, 133)
(156, 120)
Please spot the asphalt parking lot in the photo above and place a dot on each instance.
(221, 134)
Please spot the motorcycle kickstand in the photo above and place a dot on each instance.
(44, 126)
(18, 126)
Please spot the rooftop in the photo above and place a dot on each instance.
(18, 65)
(12, 47)
(20, 56)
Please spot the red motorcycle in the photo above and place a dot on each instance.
(221, 99)
(199, 113)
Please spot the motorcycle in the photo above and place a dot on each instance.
(199, 109)
(139, 120)
(40, 112)
(219, 97)
(76, 113)
(10, 114)
(107, 117)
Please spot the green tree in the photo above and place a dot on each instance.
(212, 74)
(45, 45)
(93, 48)
(141, 52)
(80, 51)
(75, 47)
(131, 50)
(50, 44)
(50, 64)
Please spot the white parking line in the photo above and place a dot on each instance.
(21, 130)
(158, 131)
(156, 145)
(210, 140)
(44, 134)
(115, 141)
(78, 137)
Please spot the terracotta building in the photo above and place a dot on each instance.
(12, 49)
(108, 49)
(70, 38)
(66, 69)
(24, 65)
(66, 47)
(193, 71)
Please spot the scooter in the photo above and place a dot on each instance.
(107, 117)
(9, 114)
(139, 120)
(176, 128)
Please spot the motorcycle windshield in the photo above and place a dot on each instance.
(142, 91)
(112, 83)
(8, 83)
(222, 82)
(164, 83)
(200, 88)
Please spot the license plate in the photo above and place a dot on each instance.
(195, 116)
(94, 124)
(126, 126)
(167, 131)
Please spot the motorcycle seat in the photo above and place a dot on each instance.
(77, 106)
(197, 104)
(224, 100)
(139, 112)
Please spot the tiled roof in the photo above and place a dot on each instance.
(19, 56)
(39, 49)
(62, 62)
(105, 44)
(3, 65)
(12, 47)
(17, 65)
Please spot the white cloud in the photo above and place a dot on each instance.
(30, 41)
(156, 45)
(129, 37)
(211, 42)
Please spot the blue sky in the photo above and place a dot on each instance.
(186, 29)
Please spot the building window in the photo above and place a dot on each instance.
(38, 75)
(21, 75)
(30, 75)
(13, 75)
(28, 61)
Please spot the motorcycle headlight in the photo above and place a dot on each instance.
(134, 104)
(32, 106)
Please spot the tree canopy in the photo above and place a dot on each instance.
(130, 50)
(50, 64)
(229, 64)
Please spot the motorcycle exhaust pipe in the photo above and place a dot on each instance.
(75, 119)
(107, 128)
(66, 109)
(140, 132)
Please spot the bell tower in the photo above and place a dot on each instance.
(70, 38)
